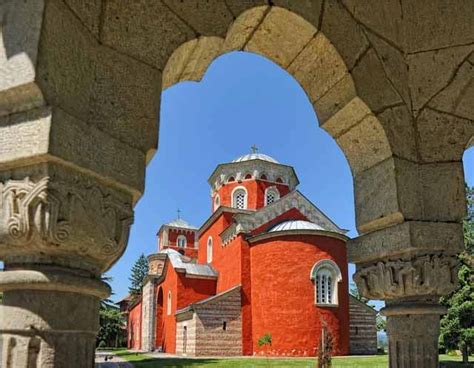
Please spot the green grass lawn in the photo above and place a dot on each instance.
(144, 361)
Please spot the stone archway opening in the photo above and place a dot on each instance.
(78, 110)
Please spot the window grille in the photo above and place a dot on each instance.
(240, 199)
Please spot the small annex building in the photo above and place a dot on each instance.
(266, 261)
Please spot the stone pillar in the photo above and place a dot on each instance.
(59, 230)
(413, 331)
(411, 287)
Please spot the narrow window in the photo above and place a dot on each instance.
(224, 325)
(168, 304)
(181, 241)
(217, 202)
(271, 195)
(326, 275)
(239, 199)
(209, 250)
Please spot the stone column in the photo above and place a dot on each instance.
(411, 287)
(59, 230)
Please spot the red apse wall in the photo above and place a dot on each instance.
(280, 273)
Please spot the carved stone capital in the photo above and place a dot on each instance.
(63, 217)
(429, 275)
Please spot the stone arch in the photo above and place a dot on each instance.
(309, 56)
(342, 96)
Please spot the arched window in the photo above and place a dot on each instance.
(217, 202)
(248, 176)
(168, 304)
(263, 177)
(271, 195)
(209, 250)
(181, 241)
(326, 276)
(231, 179)
(239, 198)
(279, 180)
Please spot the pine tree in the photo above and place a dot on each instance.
(139, 272)
(457, 327)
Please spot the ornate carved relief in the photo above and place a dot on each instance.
(56, 217)
(426, 275)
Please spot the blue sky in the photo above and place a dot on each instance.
(243, 100)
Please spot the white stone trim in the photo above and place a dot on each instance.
(273, 189)
(237, 188)
(330, 266)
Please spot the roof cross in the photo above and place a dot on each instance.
(179, 213)
(254, 149)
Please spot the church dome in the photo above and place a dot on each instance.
(255, 156)
(179, 222)
(296, 225)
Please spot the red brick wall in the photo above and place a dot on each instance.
(255, 192)
(283, 294)
(184, 291)
(134, 327)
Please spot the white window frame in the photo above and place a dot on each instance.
(245, 196)
(209, 249)
(217, 202)
(168, 303)
(273, 190)
(326, 292)
(181, 237)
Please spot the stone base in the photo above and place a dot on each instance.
(413, 331)
(48, 328)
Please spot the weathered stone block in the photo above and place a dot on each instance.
(21, 98)
(432, 71)
(281, 36)
(345, 34)
(437, 24)
(125, 99)
(243, 28)
(365, 144)
(208, 18)
(346, 118)
(457, 97)
(398, 125)
(66, 61)
(89, 12)
(24, 135)
(444, 197)
(318, 67)
(335, 99)
(383, 17)
(146, 29)
(372, 84)
(82, 144)
(20, 28)
(405, 240)
(387, 194)
(237, 7)
(308, 9)
(443, 137)
(394, 65)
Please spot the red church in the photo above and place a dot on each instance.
(266, 261)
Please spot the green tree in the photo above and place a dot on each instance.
(139, 272)
(457, 326)
(112, 326)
